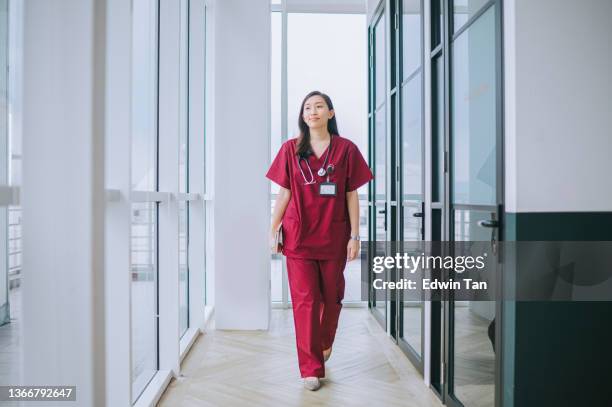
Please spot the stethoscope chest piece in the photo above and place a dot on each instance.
(323, 171)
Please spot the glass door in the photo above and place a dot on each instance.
(379, 208)
(409, 334)
(144, 253)
(475, 194)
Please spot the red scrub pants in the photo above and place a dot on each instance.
(317, 290)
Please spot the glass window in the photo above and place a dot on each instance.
(411, 132)
(144, 295)
(183, 100)
(379, 62)
(4, 176)
(411, 36)
(463, 10)
(474, 324)
(183, 206)
(437, 137)
(143, 270)
(344, 77)
(380, 161)
(275, 72)
(11, 29)
(474, 116)
(412, 311)
(144, 96)
(276, 138)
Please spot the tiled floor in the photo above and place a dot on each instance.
(230, 367)
(234, 368)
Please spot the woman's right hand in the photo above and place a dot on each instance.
(272, 241)
(284, 195)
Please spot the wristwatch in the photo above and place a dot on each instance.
(355, 237)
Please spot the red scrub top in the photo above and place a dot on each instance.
(314, 226)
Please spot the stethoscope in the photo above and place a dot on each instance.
(324, 170)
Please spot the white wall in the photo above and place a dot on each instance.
(241, 137)
(558, 125)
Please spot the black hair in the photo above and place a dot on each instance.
(303, 147)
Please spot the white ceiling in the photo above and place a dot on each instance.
(329, 6)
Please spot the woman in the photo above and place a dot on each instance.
(318, 174)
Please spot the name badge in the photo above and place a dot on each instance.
(327, 189)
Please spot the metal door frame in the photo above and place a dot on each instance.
(417, 359)
(380, 13)
(448, 38)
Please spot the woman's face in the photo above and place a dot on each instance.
(316, 113)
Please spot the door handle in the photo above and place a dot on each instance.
(422, 213)
(384, 212)
(418, 214)
(491, 223)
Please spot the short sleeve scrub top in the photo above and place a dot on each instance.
(315, 226)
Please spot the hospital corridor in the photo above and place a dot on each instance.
(179, 198)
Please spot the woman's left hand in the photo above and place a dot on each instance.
(352, 249)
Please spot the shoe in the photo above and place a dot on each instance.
(312, 383)
(327, 354)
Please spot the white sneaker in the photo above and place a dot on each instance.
(312, 383)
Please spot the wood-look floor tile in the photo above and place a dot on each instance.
(247, 368)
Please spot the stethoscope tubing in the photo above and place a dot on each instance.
(306, 182)
(322, 172)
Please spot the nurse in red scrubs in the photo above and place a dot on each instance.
(318, 174)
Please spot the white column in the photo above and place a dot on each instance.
(118, 181)
(169, 104)
(63, 196)
(241, 191)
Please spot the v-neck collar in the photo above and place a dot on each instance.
(325, 152)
